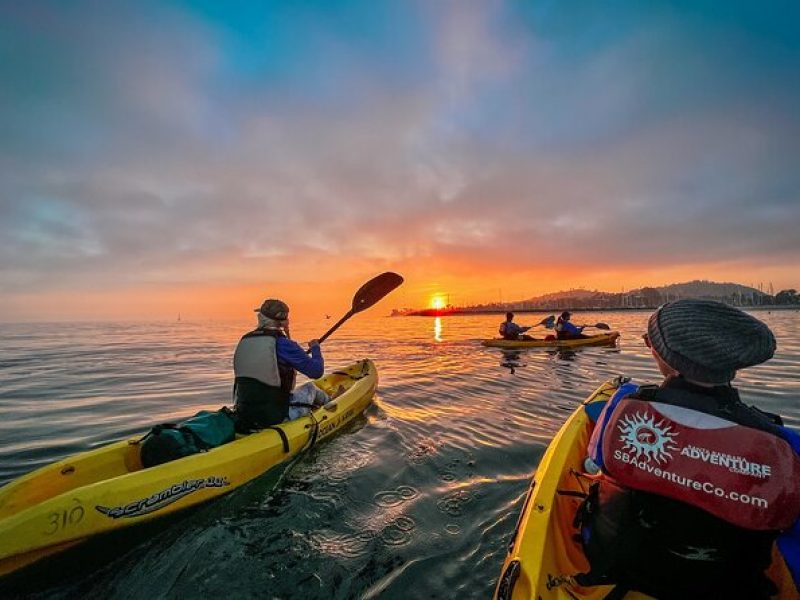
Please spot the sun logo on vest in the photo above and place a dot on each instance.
(646, 439)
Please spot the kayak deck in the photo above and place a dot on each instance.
(62, 504)
(602, 339)
(543, 554)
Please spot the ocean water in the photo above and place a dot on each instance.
(416, 500)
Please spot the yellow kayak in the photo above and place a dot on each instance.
(543, 554)
(602, 339)
(63, 504)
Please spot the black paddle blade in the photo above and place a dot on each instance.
(367, 295)
(602, 326)
(548, 322)
(375, 289)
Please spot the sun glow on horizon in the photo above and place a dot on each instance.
(438, 301)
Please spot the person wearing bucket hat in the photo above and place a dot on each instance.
(692, 487)
(706, 342)
(265, 366)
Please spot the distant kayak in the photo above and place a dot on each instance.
(543, 554)
(69, 501)
(602, 339)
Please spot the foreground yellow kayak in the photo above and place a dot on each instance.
(543, 554)
(602, 339)
(63, 504)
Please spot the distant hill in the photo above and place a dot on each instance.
(646, 297)
(733, 293)
(571, 294)
(701, 289)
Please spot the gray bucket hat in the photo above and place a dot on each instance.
(708, 341)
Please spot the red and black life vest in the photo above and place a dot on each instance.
(695, 487)
(741, 473)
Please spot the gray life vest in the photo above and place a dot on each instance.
(263, 385)
(256, 358)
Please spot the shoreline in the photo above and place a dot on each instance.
(500, 311)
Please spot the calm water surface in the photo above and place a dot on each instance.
(417, 500)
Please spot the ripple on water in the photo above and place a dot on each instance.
(330, 497)
(348, 463)
(404, 523)
(346, 545)
(453, 503)
(398, 531)
(390, 498)
(423, 450)
(71, 388)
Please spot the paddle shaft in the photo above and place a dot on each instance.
(366, 296)
(336, 326)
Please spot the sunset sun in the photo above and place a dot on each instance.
(437, 301)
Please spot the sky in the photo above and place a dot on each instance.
(197, 157)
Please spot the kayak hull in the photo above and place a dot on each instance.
(102, 490)
(543, 554)
(602, 339)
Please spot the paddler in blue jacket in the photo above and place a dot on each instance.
(566, 330)
(667, 514)
(511, 331)
(265, 364)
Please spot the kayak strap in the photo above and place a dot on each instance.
(618, 592)
(302, 404)
(284, 439)
(571, 493)
(505, 588)
(314, 433)
(201, 444)
(154, 431)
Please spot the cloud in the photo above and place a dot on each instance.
(146, 145)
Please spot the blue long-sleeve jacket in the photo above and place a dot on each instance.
(567, 327)
(291, 353)
(509, 329)
(789, 541)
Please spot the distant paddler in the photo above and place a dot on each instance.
(566, 330)
(511, 331)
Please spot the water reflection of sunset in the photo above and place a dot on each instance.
(437, 329)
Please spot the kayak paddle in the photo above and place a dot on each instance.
(599, 326)
(367, 295)
(547, 322)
